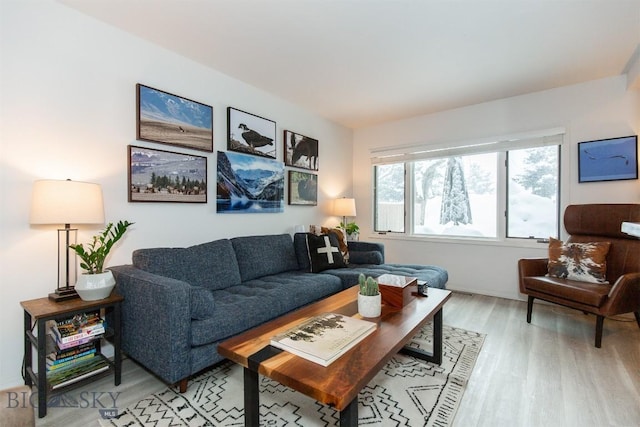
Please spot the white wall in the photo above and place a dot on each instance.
(598, 109)
(67, 110)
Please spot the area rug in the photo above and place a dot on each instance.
(406, 392)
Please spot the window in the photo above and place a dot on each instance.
(533, 188)
(389, 195)
(456, 196)
(507, 189)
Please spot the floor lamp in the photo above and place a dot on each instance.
(66, 202)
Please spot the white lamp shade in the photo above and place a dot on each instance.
(344, 207)
(66, 202)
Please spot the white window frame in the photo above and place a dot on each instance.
(407, 154)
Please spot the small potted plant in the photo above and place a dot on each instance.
(352, 229)
(369, 298)
(96, 283)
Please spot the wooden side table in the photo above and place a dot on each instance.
(36, 314)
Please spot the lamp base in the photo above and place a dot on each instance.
(63, 294)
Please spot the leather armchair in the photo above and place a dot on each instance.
(592, 223)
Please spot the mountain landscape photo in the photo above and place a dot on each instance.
(249, 184)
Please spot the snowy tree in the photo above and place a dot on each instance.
(541, 172)
(455, 199)
(429, 176)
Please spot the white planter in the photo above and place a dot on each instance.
(93, 287)
(369, 306)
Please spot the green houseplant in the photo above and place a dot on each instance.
(351, 228)
(94, 255)
(369, 298)
(97, 284)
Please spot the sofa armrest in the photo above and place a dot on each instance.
(531, 267)
(624, 295)
(156, 321)
(366, 252)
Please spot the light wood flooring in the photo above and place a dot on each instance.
(547, 373)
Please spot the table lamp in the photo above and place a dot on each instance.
(344, 207)
(66, 202)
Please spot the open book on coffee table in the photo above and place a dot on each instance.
(324, 338)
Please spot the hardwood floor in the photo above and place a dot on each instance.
(547, 373)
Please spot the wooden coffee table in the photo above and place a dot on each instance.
(339, 383)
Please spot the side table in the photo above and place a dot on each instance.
(36, 314)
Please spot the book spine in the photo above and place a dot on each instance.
(87, 331)
(70, 329)
(57, 355)
(70, 362)
(68, 358)
(64, 346)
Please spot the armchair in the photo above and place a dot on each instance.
(587, 224)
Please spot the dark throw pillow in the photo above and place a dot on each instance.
(340, 234)
(324, 252)
(584, 262)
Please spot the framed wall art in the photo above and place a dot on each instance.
(303, 188)
(610, 159)
(300, 151)
(174, 120)
(249, 184)
(250, 134)
(164, 176)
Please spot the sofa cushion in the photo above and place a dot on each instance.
(436, 277)
(324, 252)
(202, 303)
(256, 301)
(211, 265)
(584, 262)
(593, 294)
(264, 255)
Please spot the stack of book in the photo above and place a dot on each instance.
(75, 354)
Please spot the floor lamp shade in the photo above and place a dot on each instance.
(65, 203)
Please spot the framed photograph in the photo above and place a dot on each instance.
(610, 159)
(163, 176)
(250, 134)
(300, 151)
(249, 184)
(174, 120)
(303, 188)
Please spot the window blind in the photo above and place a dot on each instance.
(407, 153)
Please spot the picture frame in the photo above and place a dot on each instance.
(300, 151)
(166, 176)
(250, 134)
(174, 120)
(249, 184)
(303, 188)
(612, 159)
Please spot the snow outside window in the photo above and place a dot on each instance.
(389, 198)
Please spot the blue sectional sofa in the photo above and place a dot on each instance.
(179, 303)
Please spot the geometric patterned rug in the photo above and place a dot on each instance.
(406, 392)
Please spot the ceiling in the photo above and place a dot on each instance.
(363, 62)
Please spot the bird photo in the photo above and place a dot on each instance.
(251, 134)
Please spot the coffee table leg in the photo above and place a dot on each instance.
(436, 356)
(349, 415)
(251, 398)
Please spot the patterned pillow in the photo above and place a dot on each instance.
(323, 252)
(340, 234)
(584, 262)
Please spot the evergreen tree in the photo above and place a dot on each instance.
(455, 199)
(540, 172)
